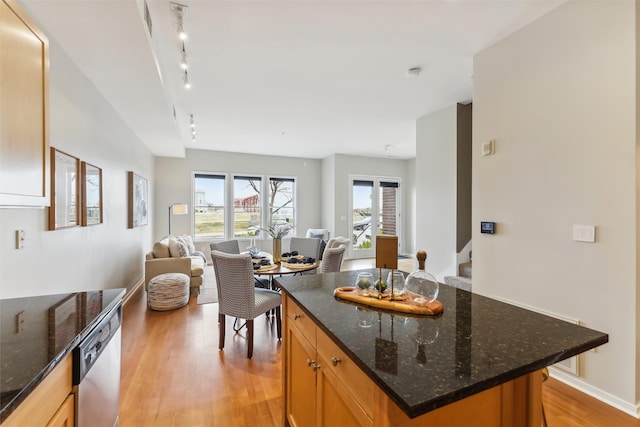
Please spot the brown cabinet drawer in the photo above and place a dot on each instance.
(43, 402)
(302, 321)
(356, 381)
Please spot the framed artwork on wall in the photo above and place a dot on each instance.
(91, 194)
(65, 191)
(138, 200)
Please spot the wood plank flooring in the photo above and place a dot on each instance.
(174, 375)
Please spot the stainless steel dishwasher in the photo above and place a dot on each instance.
(96, 373)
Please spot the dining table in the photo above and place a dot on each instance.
(281, 268)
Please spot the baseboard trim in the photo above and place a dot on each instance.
(132, 292)
(603, 396)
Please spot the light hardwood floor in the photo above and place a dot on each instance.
(174, 375)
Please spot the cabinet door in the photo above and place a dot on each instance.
(301, 379)
(64, 416)
(336, 406)
(24, 152)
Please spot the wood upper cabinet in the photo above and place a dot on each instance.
(24, 144)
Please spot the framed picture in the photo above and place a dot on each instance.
(64, 323)
(91, 194)
(65, 190)
(138, 200)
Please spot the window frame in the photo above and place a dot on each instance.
(229, 206)
(225, 177)
(293, 231)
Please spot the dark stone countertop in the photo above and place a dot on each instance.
(423, 363)
(53, 325)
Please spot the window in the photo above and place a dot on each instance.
(233, 208)
(209, 206)
(375, 206)
(282, 207)
(247, 206)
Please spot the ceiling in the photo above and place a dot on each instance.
(291, 78)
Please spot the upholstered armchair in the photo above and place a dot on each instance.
(166, 257)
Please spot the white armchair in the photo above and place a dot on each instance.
(318, 233)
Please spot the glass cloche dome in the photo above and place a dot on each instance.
(421, 286)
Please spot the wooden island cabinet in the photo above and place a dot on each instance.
(327, 389)
(476, 364)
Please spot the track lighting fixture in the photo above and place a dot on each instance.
(187, 83)
(183, 58)
(181, 11)
(182, 35)
(192, 124)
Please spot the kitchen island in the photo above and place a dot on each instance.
(37, 337)
(476, 364)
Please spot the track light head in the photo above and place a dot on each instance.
(187, 83)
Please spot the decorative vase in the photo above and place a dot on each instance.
(277, 250)
(421, 286)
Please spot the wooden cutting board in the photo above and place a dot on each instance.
(352, 294)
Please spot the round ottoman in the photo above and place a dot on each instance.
(168, 291)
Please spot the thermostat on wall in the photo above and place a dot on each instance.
(487, 227)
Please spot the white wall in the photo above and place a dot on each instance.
(559, 97)
(97, 257)
(410, 214)
(328, 179)
(436, 161)
(323, 190)
(173, 181)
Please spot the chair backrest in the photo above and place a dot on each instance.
(226, 246)
(234, 277)
(337, 241)
(332, 260)
(319, 233)
(305, 246)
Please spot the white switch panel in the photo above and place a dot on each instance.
(20, 239)
(488, 147)
(584, 233)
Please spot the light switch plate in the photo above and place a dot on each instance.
(584, 233)
(488, 147)
(20, 239)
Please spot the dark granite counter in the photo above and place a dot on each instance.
(423, 363)
(37, 332)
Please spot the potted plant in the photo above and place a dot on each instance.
(277, 232)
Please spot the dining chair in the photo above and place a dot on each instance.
(307, 246)
(233, 247)
(334, 242)
(226, 246)
(332, 260)
(238, 297)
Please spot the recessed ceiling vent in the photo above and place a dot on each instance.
(147, 19)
